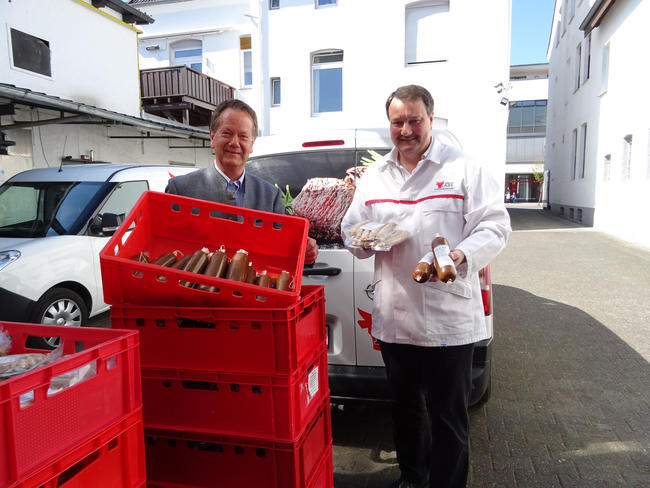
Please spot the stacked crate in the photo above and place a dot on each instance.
(75, 421)
(234, 383)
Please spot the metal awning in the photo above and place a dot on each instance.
(595, 15)
(130, 15)
(72, 112)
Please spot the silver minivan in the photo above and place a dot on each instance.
(356, 369)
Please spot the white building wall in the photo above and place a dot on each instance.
(613, 203)
(374, 65)
(82, 71)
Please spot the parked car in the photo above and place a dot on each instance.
(356, 369)
(53, 223)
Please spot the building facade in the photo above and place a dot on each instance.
(527, 96)
(69, 90)
(315, 65)
(598, 144)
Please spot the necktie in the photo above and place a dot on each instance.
(233, 189)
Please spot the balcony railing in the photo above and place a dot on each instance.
(182, 93)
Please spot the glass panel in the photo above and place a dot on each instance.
(186, 53)
(328, 57)
(527, 116)
(30, 53)
(197, 66)
(328, 90)
(322, 3)
(276, 92)
(248, 68)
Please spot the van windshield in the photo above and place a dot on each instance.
(40, 209)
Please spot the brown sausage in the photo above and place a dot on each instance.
(166, 259)
(284, 281)
(263, 279)
(195, 264)
(443, 264)
(238, 266)
(424, 269)
(216, 267)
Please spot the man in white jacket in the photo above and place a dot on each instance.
(427, 331)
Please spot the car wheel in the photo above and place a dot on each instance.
(59, 306)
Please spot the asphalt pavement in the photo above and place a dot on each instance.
(570, 404)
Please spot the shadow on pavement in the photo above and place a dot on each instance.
(570, 401)
(531, 217)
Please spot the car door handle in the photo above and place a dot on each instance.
(330, 271)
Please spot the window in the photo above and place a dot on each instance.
(604, 74)
(427, 32)
(577, 65)
(325, 3)
(527, 116)
(327, 81)
(246, 61)
(30, 53)
(626, 161)
(574, 153)
(583, 149)
(188, 53)
(273, 4)
(587, 68)
(607, 167)
(275, 92)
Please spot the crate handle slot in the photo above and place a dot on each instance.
(205, 446)
(260, 452)
(185, 323)
(77, 468)
(67, 380)
(26, 399)
(199, 385)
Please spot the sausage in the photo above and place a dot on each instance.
(195, 264)
(251, 274)
(424, 269)
(284, 281)
(238, 266)
(166, 259)
(263, 279)
(443, 264)
(217, 265)
(141, 257)
(180, 264)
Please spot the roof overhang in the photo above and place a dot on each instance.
(130, 15)
(596, 15)
(79, 113)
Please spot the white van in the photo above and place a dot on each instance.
(356, 369)
(53, 224)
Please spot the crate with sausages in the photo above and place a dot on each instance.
(180, 251)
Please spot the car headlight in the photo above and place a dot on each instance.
(7, 257)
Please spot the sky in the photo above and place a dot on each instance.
(531, 28)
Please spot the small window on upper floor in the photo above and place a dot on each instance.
(246, 61)
(30, 53)
(274, 4)
(327, 81)
(427, 32)
(325, 3)
(189, 53)
(275, 92)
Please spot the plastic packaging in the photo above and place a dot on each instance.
(443, 264)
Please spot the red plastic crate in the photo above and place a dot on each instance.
(261, 406)
(240, 340)
(115, 457)
(49, 424)
(163, 223)
(324, 477)
(182, 459)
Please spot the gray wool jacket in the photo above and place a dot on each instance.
(208, 184)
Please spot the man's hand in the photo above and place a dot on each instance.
(311, 251)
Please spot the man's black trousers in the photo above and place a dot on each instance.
(430, 387)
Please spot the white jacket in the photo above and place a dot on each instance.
(447, 194)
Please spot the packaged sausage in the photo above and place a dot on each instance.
(424, 269)
(238, 268)
(217, 265)
(443, 264)
(196, 264)
(251, 274)
(263, 279)
(284, 281)
(166, 259)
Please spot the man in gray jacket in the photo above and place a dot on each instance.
(233, 129)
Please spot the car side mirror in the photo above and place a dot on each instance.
(106, 224)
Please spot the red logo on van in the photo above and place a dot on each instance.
(366, 323)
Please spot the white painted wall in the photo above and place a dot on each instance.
(94, 57)
(371, 33)
(611, 114)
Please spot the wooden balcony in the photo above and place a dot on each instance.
(181, 93)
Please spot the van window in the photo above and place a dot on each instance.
(124, 197)
(37, 209)
(294, 169)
